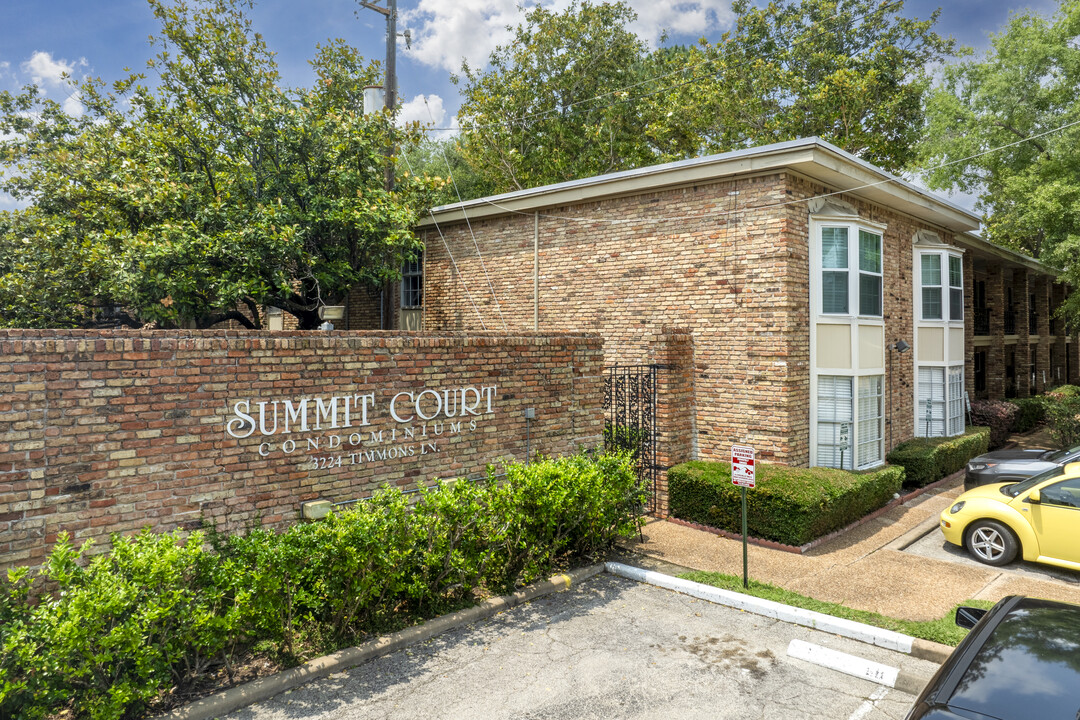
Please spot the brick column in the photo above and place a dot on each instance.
(1023, 336)
(995, 354)
(1057, 299)
(673, 348)
(969, 324)
(1041, 290)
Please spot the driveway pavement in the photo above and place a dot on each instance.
(608, 648)
(866, 567)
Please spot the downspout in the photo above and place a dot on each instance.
(536, 271)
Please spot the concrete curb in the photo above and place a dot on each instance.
(264, 688)
(838, 626)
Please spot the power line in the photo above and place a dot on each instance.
(572, 108)
(476, 245)
(450, 254)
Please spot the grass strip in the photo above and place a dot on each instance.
(943, 630)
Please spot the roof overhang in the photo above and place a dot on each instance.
(812, 158)
(1005, 256)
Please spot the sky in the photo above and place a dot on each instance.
(41, 39)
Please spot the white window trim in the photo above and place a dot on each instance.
(944, 252)
(852, 319)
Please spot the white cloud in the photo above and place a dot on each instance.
(445, 33)
(47, 71)
(425, 109)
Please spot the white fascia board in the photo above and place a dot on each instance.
(811, 157)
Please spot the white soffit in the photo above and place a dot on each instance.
(810, 157)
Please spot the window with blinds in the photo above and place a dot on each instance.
(835, 417)
(941, 406)
(871, 421)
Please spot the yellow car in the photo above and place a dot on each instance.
(1039, 518)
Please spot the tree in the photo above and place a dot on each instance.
(539, 114)
(992, 129)
(442, 160)
(576, 94)
(216, 191)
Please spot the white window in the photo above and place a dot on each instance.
(931, 286)
(956, 288)
(940, 410)
(869, 273)
(835, 417)
(412, 284)
(936, 304)
(834, 270)
(839, 284)
(871, 420)
(956, 400)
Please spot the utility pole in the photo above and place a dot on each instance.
(389, 101)
(390, 80)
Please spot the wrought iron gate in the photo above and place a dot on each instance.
(630, 419)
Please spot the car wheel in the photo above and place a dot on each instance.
(991, 543)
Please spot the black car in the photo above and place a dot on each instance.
(1021, 661)
(1015, 465)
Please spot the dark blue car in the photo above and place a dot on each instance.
(1021, 661)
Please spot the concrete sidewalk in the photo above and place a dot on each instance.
(864, 568)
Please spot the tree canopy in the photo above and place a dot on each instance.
(993, 129)
(215, 191)
(577, 94)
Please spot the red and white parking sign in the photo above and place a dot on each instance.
(742, 466)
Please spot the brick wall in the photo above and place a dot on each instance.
(727, 260)
(106, 432)
(688, 257)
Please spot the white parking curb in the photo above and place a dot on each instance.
(843, 662)
(887, 639)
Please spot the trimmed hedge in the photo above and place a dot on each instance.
(117, 632)
(928, 460)
(789, 505)
(1030, 413)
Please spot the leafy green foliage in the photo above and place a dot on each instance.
(119, 629)
(1063, 421)
(928, 460)
(789, 505)
(1024, 87)
(943, 630)
(576, 94)
(1030, 413)
(217, 191)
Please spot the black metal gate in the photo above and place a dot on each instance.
(630, 419)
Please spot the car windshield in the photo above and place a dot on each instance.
(1017, 488)
(1060, 455)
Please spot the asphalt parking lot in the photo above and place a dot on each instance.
(607, 648)
(933, 545)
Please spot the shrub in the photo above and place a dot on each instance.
(1030, 413)
(1064, 391)
(927, 460)
(1063, 420)
(789, 505)
(158, 610)
(998, 415)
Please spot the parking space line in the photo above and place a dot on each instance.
(870, 703)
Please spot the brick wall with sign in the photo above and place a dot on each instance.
(105, 432)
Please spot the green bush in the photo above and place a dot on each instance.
(789, 505)
(158, 611)
(1064, 391)
(1030, 413)
(928, 460)
(1063, 420)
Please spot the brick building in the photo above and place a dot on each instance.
(800, 273)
